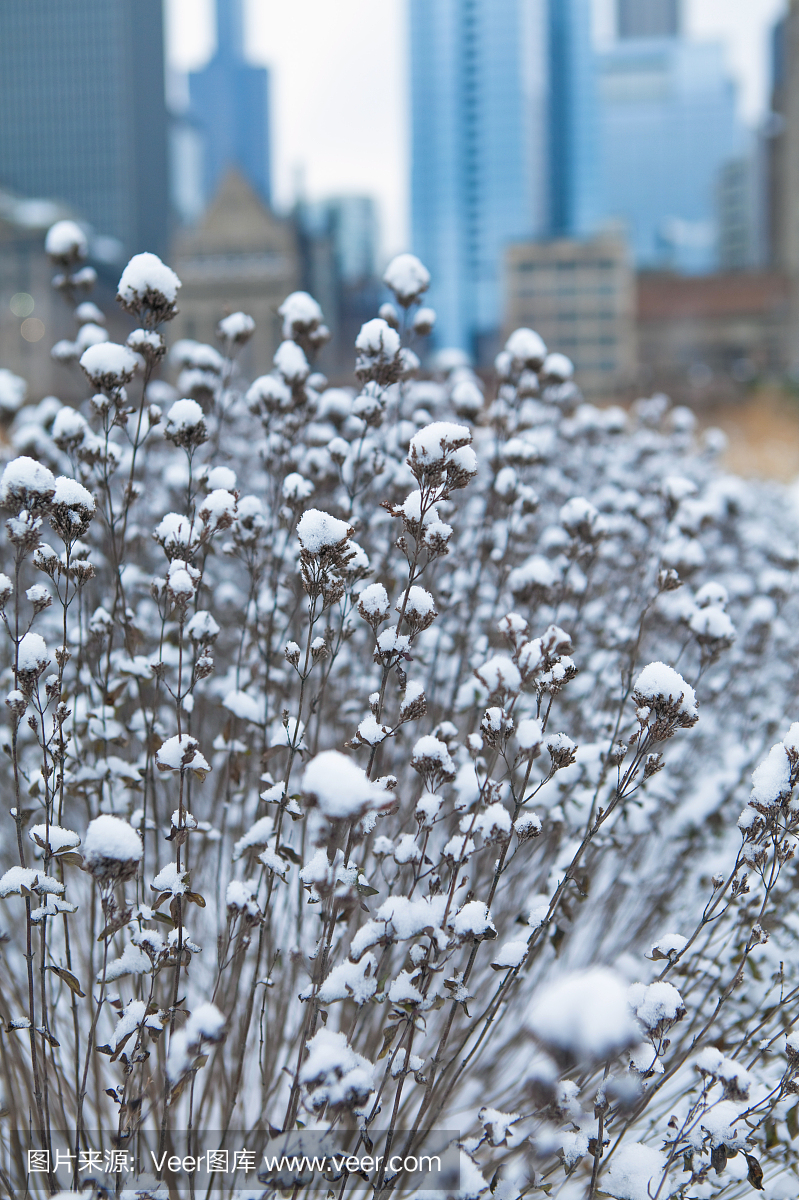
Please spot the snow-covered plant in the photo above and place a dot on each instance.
(412, 754)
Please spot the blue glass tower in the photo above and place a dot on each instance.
(477, 151)
(575, 202)
(668, 125)
(83, 113)
(229, 100)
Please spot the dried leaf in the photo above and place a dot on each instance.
(291, 854)
(69, 979)
(755, 1175)
(718, 1158)
(792, 1121)
(388, 1038)
(71, 858)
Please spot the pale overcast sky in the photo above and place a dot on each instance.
(339, 84)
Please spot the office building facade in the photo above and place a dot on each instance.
(742, 202)
(353, 225)
(504, 145)
(668, 123)
(784, 163)
(477, 151)
(580, 296)
(784, 143)
(572, 166)
(84, 116)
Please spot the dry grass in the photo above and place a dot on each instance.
(763, 434)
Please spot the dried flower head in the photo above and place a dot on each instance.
(148, 289)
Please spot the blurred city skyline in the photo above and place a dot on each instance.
(603, 171)
(339, 85)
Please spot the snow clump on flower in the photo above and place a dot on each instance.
(526, 348)
(149, 288)
(291, 362)
(73, 507)
(635, 1172)
(557, 367)
(334, 1075)
(206, 1024)
(237, 328)
(407, 277)
(109, 365)
(318, 531)
(66, 243)
(663, 691)
(340, 788)
(378, 347)
(13, 390)
(301, 315)
(584, 1015)
(25, 483)
(112, 849)
(182, 753)
(185, 424)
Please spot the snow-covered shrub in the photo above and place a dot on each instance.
(406, 755)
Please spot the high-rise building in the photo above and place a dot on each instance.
(784, 233)
(776, 130)
(648, 18)
(353, 225)
(187, 163)
(229, 100)
(668, 122)
(83, 115)
(741, 204)
(338, 252)
(478, 147)
(575, 202)
(784, 160)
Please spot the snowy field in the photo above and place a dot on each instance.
(412, 755)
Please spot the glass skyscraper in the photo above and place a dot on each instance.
(229, 101)
(477, 151)
(83, 113)
(504, 143)
(575, 202)
(668, 125)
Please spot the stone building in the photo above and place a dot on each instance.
(240, 257)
